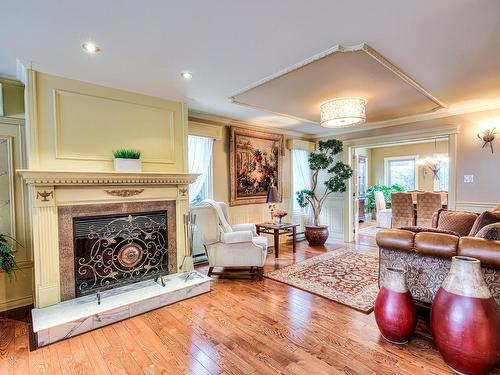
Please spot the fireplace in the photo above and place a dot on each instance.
(115, 250)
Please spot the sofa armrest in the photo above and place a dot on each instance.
(237, 237)
(395, 239)
(487, 251)
(436, 244)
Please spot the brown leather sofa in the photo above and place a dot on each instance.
(426, 256)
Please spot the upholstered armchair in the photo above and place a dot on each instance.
(384, 214)
(229, 246)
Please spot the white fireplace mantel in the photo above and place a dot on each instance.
(63, 178)
(51, 189)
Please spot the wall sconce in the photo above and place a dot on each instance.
(487, 135)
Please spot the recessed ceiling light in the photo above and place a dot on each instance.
(91, 48)
(186, 75)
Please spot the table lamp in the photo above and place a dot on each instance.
(273, 197)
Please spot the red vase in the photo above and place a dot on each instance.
(465, 320)
(316, 235)
(395, 311)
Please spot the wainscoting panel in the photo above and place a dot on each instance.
(475, 206)
(332, 215)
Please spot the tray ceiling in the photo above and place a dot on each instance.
(354, 71)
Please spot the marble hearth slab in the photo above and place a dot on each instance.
(79, 315)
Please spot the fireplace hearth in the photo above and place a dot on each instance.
(115, 250)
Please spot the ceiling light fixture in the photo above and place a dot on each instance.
(91, 48)
(186, 75)
(339, 112)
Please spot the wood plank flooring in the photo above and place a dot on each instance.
(241, 327)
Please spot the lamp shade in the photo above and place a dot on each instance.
(273, 195)
(342, 112)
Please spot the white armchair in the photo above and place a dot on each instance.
(229, 246)
(384, 215)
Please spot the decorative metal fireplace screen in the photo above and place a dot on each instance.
(115, 250)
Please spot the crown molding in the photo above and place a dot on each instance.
(211, 119)
(65, 178)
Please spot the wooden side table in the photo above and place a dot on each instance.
(276, 230)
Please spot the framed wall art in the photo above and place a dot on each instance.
(256, 161)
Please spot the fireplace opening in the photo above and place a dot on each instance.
(115, 250)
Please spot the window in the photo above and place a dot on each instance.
(200, 161)
(362, 176)
(301, 177)
(401, 171)
(443, 176)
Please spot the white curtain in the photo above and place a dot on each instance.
(301, 177)
(199, 157)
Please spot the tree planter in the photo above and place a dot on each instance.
(465, 320)
(316, 235)
(128, 165)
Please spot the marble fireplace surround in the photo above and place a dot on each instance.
(74, 193)
(66, 214)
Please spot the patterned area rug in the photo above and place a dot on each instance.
(349, 277)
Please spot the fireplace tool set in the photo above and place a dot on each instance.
(187, 261)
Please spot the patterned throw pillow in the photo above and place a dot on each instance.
(456, 221)
(431, 230)
(483, 220)
(490, 232)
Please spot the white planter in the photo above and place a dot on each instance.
(128, 165)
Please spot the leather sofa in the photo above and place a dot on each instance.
(426, 256)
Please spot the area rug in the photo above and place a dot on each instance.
(346, 276)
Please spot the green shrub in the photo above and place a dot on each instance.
(7, 258)
(127, 154)
(387, 190)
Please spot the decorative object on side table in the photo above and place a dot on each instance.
(338, 174)
(395, 311)
(7, 258)
(280, 214)
(127, 160)
(465, 320)
(273, 197)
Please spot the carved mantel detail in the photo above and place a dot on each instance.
(124, 193)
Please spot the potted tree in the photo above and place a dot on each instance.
(339, 173)
(7, 257)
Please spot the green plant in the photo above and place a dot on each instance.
(126, 154)
(323, 159)
(387, 190)
(7, 257)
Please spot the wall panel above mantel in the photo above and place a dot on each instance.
(79, 124)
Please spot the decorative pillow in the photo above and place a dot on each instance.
(431, 230)
(490, 232)
(456, 221)
(483, 220)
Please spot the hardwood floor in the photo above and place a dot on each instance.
(241, 327)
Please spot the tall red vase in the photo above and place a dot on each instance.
(465, 320)
(395, 311)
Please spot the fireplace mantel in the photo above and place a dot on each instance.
(53, 190)
(38, 177)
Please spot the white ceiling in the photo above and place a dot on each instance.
(449, 46)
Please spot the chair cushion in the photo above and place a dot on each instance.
(395, 239)
(456, 221)
(487, 251)
(490, 232)
(437, 244)
(483, 220)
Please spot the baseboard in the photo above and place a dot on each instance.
(15, 303)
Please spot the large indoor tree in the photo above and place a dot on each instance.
(338, 173)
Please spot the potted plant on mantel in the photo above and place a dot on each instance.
(127, 160)
(339, 173)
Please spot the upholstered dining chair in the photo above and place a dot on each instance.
(444, 196)
(427, 204)
(229, 246)
(383, 213)
(402, 210)
(414, 194)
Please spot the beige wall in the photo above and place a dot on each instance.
(79, 124)
(12, 94)
(420, 150)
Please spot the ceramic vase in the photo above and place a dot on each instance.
(316, 235)
(395, 311)
(465, 320)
